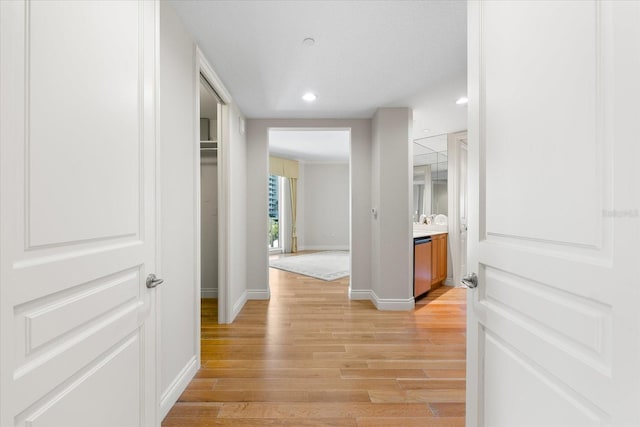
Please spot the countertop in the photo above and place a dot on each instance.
(418, 234)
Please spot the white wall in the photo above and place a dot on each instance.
(325, 208)
(179, 153)
(257, 206)
(392, 178)
(257, 197)
(237, 232)
(177, 308)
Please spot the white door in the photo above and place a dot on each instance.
(77, 216)
(554, 125)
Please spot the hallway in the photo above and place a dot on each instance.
(311, 357)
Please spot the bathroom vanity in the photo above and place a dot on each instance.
(430, 210)
(429, 261)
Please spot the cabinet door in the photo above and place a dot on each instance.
(442, 258)
(439, 258)
(422, 268)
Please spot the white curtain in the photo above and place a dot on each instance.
(290, 170)
(293, 191)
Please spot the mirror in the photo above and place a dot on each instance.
(430, 172)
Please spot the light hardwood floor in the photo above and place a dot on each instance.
(311, 357)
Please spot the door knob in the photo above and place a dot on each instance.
(153, 281)
(471, 280)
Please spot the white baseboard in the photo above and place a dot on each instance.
(360, 294)
(237, 307)
(177, 386)
(258, 294)
(249, 294)
(393, 304)
(209, 292)
(390, 304)
(324, 248)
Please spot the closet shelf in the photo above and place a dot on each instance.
(208, 145)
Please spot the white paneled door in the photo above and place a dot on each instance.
(554, 125)
(77, 213)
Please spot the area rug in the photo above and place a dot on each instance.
(327, 266)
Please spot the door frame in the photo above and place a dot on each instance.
(301, 127)
(454, 141)
(202, 67)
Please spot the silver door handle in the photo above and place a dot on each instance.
(471, 280)
(153, 281)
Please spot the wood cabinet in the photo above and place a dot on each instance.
(438, 259)
(422, 265)
(429, 263)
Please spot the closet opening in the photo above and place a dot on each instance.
(210, 109)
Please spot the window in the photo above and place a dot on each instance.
(274, 212)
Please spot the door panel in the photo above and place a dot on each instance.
(90, 382)
(534, 387)
(558, 129)
(77, 213)
(553, 229)
(74, 65)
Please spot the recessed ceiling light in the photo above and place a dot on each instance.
(462, 100)
(309, 97)
(308, 41)
(426, 130)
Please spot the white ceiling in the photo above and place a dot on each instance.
(368, 54)
(310, 145)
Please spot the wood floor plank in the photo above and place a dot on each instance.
(303, 364)
(322, 410)
(448, 409)
(436, 395)
(414, 396)
(382, 373)
(410, 422)
(308, 384)
(432, 384)
(273, 373)
(310, 357)
(258, 422)
(416, 364)
(244, 396)
(199, 410)
(446, 373)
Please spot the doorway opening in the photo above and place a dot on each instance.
(212, 206)
(309, 183)
(209, 139)
(440, 194)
